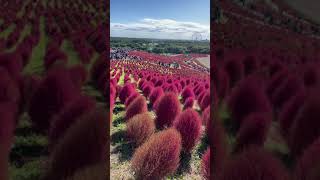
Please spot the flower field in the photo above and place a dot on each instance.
(159, 118)
(53, 112)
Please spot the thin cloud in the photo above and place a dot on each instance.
(160, 28)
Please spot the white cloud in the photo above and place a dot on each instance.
(160, 28)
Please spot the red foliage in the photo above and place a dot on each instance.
(138, 106)
(188, 123)
(84, 144)
(155, 95)
(205, 165)
(253, 131)
(126, 92)
(140, 127)
(61, 122)
(159, 156)
(307, 167)
(306, 126)
(167, 109)
(188, 103)
(53, 94)
(254, 164)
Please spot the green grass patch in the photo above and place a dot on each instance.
(73, 57)
(29, 171)
(36, 64)
(4, 34)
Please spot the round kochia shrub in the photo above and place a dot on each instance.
(61, 122)
(96, 172)
(130, 99)
(218, 143)
(306, 126)
(138, 105)
(307, 167)
(285, 91)
(52, 95)
(188, 123)
(254, 164)
(187, 92)
(126, 92)
(9, 88)
(188, 103)
(290, 111)
(167, 109)
(205, 100)
(155, 95)
(205, 165)
(84, 144)
(234, 69)
(140, 127)
(253, 131)
(247, 98)
(8, 122)
(147, 90)
(159, 156)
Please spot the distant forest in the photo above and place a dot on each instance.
(161, 46)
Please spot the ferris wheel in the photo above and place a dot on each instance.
(196, 36)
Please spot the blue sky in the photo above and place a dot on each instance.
(168, 19)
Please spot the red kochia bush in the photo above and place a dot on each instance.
(221, 82)
(84, 144)
(218, 143)
(254, 164)
(126, 92)
(187, 92)
(53, 94)
(307, 167)
(9, 88)
(205, 165)
(188, 103)
(78, 74)
(286, 90)
(147, 90)
(290, 111)
(140, 127)
(138, 105)
(159, 156)
(188, 123)
(131, 98)
(61, 122)
(205, 100)
(306, 126)
(13, 63)
(155, 95)
(8, 122)
(248, 97)
(167, 109)
(253, 131)
(206, 116)
(234, 69)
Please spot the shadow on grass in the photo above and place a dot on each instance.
(184, 166)
(124, 148)
(117, 109)
(203, 145)
(150, 107)
(118, 120)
